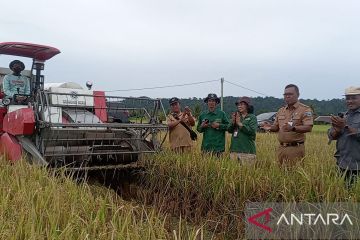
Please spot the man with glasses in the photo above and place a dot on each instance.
(292, 122)
(346, 130)
(180, 123)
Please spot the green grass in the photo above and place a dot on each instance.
(321, 128)
(139, 120)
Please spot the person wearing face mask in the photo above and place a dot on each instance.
(292, 122)
(346, 131)
(213, 123)
(243, 132)
(16, 83)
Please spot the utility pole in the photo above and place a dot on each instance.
(222, 94)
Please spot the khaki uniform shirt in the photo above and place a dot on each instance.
(179, 136)
(297, 115)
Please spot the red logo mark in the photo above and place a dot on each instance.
(266, 212)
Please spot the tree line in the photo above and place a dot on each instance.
(264, 104)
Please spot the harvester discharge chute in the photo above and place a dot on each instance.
(63, 124)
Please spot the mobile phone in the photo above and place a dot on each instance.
(206, 120)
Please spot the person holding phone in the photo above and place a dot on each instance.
(213, 124)
(243, 132)
(346, 131)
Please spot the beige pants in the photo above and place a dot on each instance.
(291, 156)
(243, 158)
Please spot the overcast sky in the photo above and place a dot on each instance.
(262, 45)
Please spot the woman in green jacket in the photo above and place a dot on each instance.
(243, 128)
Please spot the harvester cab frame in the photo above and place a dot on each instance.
(65, 125)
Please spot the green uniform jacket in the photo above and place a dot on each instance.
(213, 139)
(244, 142)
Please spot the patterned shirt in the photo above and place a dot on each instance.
(16, 85)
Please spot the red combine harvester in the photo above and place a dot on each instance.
(65, 125)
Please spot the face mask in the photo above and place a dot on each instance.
(17, 69)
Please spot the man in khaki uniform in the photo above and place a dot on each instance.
(179, 136)
(292, 122)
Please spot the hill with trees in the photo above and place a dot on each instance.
(265, 104)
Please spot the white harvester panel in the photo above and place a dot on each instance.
(53, 115)
(80, 116)
(71, 98)
(13, 108)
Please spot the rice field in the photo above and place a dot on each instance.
(36, 204)
(187, 196)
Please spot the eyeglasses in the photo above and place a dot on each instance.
(288, 94)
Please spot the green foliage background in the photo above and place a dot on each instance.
(266, 104)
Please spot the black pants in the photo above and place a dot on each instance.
(351, 176)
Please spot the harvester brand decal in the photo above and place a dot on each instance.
(73, 95)
(74, 99)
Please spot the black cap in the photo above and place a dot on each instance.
(212, 96)
(174, 100)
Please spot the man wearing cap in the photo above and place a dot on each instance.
(346, 130)
(292, 122)
(180, 124)
(213, 124)
(15, 83)
(243, 128)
